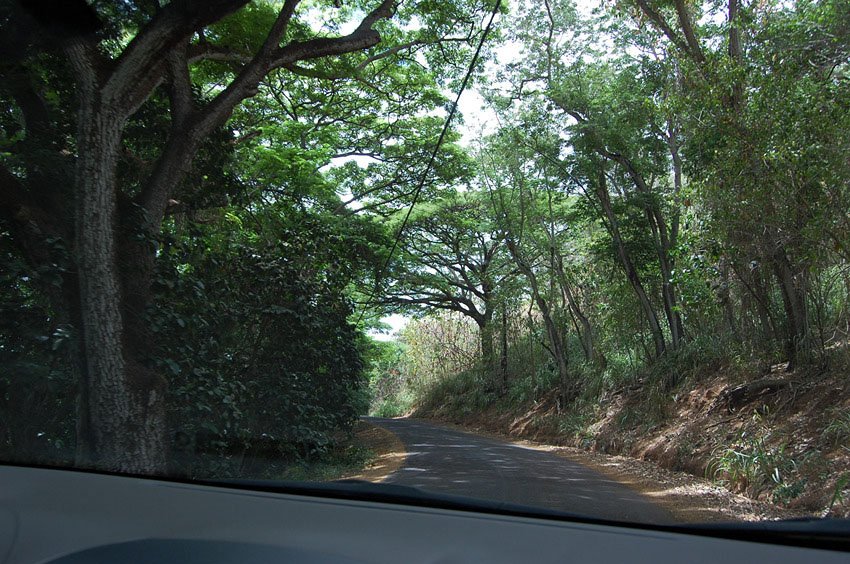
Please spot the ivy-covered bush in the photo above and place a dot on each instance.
(264, 365)
(37, 387)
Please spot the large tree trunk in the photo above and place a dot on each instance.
(83, 455)
(147, 386)
(123, 413)
(123, 438)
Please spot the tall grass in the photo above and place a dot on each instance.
(457, 395)
(755, 465)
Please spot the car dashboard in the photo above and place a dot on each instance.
(63, 517)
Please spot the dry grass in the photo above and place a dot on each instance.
(387, 450)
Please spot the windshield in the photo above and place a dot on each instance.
(591, 258)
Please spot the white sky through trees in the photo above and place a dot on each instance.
(478, 120)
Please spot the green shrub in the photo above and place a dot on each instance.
(575, 421)
(753, 466)
(395, 405)
(838, 429)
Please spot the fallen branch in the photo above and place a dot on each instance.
(735, 397)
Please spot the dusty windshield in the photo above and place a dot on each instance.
(589, 257)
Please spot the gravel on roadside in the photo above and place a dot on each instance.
(690, 498)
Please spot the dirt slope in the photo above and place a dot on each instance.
(782, 441)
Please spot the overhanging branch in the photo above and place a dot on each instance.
(361, 38)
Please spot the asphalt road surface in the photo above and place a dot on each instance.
(444, 460)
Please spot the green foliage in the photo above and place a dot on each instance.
(459, 394)
(574, 424)
(838, 494)
(395, 405)
(390, 395)
(838, 428)
(754, 465)
(37, 385)
(261, 250)
(254, 333)
(337, 464)
(717, 173)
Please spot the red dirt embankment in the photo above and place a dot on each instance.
(780, 445)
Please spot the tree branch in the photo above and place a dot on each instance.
(387, 53)
(205, 51)
(447, 304)
(180, 87)
(190, 126)
(141, 61)
(178, 153)
(688, 30)
(361, 38)
(248, 80)
(656, 18)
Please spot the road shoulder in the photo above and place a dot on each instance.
(688, 498)
(388, 451)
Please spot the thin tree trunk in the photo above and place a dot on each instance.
(797, 344)
(558, 349)
(736, 53)
(485, 332)
(531, 353)
(726, 299)
(629, 268)
(668, 293)
(663, 245)
(557, 274)
(673, 144)
(586, 332)
(503, 359)
(755, 286)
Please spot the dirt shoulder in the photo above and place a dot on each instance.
(773, 444)
(387, 450)
(690, 499)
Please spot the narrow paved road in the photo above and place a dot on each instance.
(444, 460)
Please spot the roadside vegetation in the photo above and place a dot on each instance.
(785, 442)
(179, 289)
(652, 256)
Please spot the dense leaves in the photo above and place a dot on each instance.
(254, 335)
(664, 175)
(214, 194)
